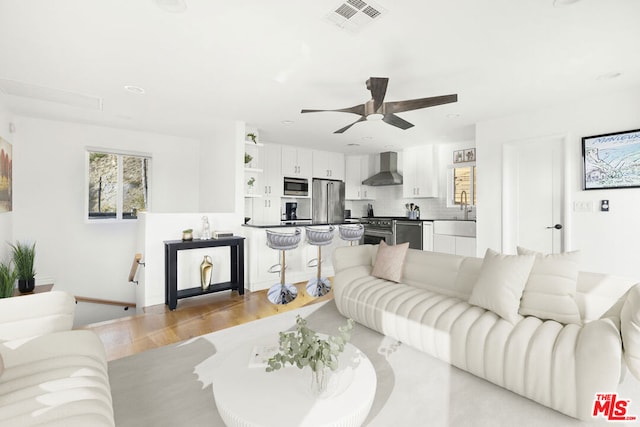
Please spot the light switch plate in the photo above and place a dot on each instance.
(583, 206)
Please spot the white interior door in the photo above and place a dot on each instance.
(533, 195)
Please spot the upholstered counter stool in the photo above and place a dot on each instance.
(319, 236)
(351, 232)
(282, 293)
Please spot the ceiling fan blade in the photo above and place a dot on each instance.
(378, 88)
(416, 104)
(396, 121)
(356, 109)
(361, 119)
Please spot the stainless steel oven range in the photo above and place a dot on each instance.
(378, 229)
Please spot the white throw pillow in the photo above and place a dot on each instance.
(551, 288)
(501, 283)
(389, 261)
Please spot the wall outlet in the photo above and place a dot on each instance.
(583, 206)
(604, 205)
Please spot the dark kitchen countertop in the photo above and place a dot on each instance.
(402, 218)
(302, 223)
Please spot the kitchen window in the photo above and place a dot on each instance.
(462, 179)
(117, 185)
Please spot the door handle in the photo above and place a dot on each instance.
(557, 227)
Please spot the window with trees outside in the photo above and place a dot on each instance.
(464, 185)
(118, 185)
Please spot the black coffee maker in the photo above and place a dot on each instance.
(291, 209)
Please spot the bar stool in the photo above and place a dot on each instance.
(282, 293)
(351, 232)
(319, 286)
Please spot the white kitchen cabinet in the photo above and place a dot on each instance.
(457, 245)
(465, 246)
(328, 165)
(273, 183)
(427, 236)
(420, 172)
(266, 210)
(357, 169)
(296, 161)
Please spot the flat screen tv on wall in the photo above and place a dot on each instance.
(611, 160)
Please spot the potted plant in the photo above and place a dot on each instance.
(253, 137)
(8, 278)
(24, 256)
(250, 183)
(247, 158)
(305, 348)
(187, 235)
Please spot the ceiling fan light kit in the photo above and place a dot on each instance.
(377, 109)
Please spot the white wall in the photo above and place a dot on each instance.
(90, 259)
(608, 241)
(6, 218)
(221, 163)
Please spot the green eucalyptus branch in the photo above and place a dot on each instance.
(305, 348)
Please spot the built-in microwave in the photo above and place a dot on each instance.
(296, 186)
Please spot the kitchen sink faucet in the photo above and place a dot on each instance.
(464, 205)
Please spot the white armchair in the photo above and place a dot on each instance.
(50, 374)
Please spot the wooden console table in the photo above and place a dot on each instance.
(171, 248)
(38, 290)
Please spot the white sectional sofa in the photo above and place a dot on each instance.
(50, 375)
(558, 365)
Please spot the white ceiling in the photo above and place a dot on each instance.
(261, 61)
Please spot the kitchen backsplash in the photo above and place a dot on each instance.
(389, 202)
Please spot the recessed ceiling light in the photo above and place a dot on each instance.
(609, 76)
(353, 144)
(453, 116)
(561, 3)
(135, 89)
(367, 138)
(172, 6)
(287, 122)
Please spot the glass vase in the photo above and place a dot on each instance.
(320, 380)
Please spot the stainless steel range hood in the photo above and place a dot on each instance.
(388, 174)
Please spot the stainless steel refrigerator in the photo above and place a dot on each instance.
(327, 198)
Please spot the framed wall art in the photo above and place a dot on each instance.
(6, 176)
(611, 160)
(458, 156)
(463, 156)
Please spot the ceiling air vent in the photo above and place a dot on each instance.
(353, 15)
(42, 93)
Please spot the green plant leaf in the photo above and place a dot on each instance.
(305, 348)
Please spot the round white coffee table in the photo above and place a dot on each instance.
(253, 397)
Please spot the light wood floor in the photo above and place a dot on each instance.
(158, 326)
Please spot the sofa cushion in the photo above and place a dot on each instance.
(467, 276)
(550, 290)
(501, 283)
(389, 261)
